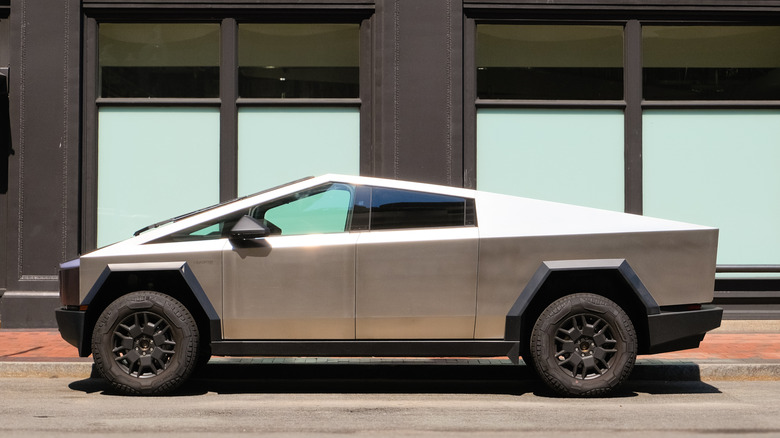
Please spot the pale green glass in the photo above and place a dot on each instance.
(717, 168)
(325, 212)
(571, 156)
(278, 145)
(153, 164)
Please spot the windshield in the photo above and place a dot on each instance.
(192, 213)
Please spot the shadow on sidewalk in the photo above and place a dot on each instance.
(383, 378)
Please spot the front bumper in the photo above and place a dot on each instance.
(672, 331)
(71, 325)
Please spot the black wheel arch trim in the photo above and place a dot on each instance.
(182, 268)
(514, 318)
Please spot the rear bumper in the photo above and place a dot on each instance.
(672, 331)
(71, 325)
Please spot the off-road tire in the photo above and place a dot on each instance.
(583, 345)
(145, 343)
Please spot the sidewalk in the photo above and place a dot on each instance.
(740, 350)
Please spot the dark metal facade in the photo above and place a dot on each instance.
(41, 205)
(417, 102)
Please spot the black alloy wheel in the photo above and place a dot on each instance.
(583, 345)
(145, 343)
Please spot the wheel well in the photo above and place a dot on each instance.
(167, 282)
(608, 283)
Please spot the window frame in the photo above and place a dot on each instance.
(323, 11)
(634, 105)
(363, 220)
(630, 104)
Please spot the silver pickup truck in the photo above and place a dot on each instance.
(355, 266)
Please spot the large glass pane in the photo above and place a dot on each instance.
(159, 60)
(322, 210)
(278, 145)
(711, 62)
(571, 156)
(397, 209)
(153, 164)
(717, 168)
(298, 60)
(549, 62)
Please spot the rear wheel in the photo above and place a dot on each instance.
(583, 345)
(145, 343)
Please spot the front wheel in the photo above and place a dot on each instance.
(583, 345)
(145, 343)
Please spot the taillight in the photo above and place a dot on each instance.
(69, 283)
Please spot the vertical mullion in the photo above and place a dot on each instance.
(228, 114)
(366, 81)
(632, 86)
(469, 103)
(89, 195)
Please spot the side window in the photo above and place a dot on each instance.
(324, 209)
(394, 209)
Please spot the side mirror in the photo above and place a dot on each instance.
(248, 228)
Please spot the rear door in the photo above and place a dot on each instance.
(416, 266)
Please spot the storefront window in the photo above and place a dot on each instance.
(159, 60)
(163, 155)
(717, 168)
(549, 62)
(298, 60)
(276, 145)
(154, 163)
(572, 156)
(711, 62)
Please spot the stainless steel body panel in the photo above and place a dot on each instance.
(291, 287)
(677, 267)
(436, 284)
(417, 284)
(203, 258)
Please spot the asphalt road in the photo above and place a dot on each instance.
(381, 407)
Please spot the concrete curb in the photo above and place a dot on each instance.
(746, 371)
(645, 369)
(81, 370)
(692, 371)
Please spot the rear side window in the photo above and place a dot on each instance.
(400, 209)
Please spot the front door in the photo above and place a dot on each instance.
(298, 283)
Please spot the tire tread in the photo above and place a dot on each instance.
(549, 373)
(172, 377)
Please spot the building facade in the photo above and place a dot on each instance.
(117, 114)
